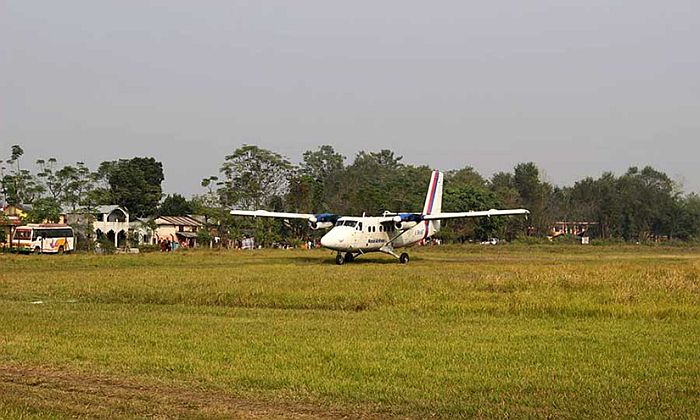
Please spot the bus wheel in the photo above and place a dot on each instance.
(60, 250)
(36, 251)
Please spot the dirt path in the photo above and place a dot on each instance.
(88, 395)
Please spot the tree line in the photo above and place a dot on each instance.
(639, 205)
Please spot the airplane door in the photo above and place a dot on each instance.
(357, 236)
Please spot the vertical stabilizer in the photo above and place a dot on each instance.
(433, 201)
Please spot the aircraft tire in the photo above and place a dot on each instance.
(339, 259)
(349, 257)
(403, 259)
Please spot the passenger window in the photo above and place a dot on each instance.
(359, 226)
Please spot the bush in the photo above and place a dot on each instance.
(567, 239)
(105, 246)
(148, 248)
(532, 240)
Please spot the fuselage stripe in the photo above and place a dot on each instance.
(433, 187)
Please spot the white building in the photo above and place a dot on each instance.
(142, 232)
(111, 222)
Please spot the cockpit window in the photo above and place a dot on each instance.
(340, 222)
(350, 223)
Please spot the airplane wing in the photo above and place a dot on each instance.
(487, 213)
(316, 221)
(265, 213)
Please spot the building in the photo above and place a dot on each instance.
(8, 223)
(180, 229)
(108, 222)
(572, 228)
(141, 232)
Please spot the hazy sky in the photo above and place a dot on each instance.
(579, 87)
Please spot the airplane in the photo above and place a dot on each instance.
(353, 236)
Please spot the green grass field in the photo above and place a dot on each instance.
(505, 331)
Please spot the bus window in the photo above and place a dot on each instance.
(23, 234)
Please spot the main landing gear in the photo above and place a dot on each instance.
(341, 259)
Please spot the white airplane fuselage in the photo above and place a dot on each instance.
(369, 234)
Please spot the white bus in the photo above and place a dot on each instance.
(40, 238)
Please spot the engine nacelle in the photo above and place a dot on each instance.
(320, 225)
(405, 225)
(402, 222)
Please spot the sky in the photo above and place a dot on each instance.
(578, 87)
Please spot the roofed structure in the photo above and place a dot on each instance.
(181, 229)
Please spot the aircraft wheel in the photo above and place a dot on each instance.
(339, 259)
(349, 257)
(403, 259)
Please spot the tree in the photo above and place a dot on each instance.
(534, 195)
(45, 209)
(468, 198)
(322, 163)
(319, 178)
(134, 184)
(175, 205)
(253, 177)
(687, 213)
(502, 185)
(371, 183)
(466, 176)
(19, 186)
(82, 188)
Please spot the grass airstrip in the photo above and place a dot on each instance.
(473, 331)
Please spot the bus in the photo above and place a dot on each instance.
(44, 238)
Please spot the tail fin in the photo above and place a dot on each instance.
(433, 201)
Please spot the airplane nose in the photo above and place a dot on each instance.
(333, 239)
(326, 240)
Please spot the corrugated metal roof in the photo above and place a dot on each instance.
(177, 221)
(99, 209)
(189, 235)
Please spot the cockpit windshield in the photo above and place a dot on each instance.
(350, 223)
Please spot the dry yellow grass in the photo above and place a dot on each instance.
(461, 331)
